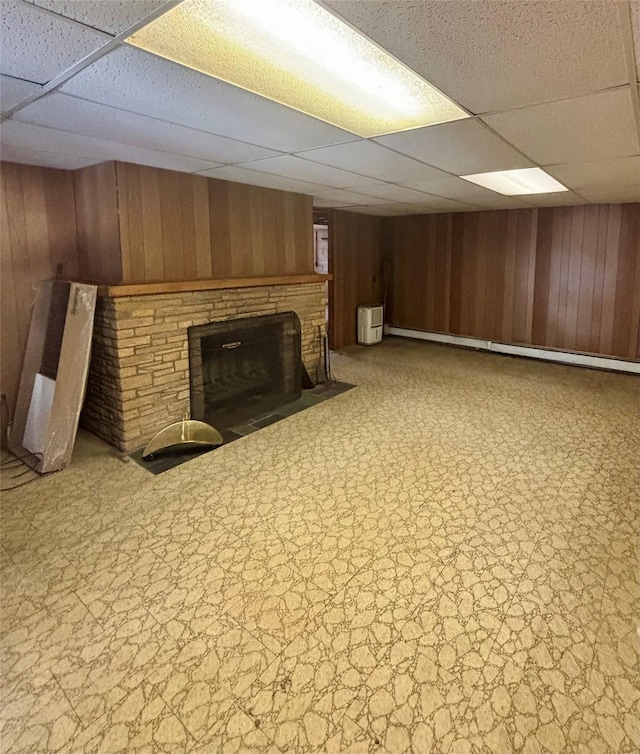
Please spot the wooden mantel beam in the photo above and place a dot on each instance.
(183, 286)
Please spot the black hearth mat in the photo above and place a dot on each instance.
(318, 394)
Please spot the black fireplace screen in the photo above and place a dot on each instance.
(242, 368)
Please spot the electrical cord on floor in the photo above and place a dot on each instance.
(13, 470)
(21, 484)
(16, 480)
(12, 462)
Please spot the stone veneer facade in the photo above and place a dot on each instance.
(139, 375)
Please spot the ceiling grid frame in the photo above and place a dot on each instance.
(33, 149)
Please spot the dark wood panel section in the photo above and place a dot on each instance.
(465, 274)
(557, 277)
(39, 241)
(97, 217)
(587, 295)
(355, 261)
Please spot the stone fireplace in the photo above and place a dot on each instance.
(243, 367)
(139, 378)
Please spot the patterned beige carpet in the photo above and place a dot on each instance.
(444, 559)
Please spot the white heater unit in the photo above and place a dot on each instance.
(370, 321)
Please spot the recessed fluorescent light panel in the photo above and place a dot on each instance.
(515, 182)
(299, 54)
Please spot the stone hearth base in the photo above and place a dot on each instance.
(139, 375)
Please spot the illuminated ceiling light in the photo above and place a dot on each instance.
(515, 182)
(299, 54)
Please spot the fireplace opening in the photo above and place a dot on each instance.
(241, 368)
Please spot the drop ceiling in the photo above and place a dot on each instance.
(548, 83)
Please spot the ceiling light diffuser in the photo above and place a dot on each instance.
(516, 182)
(299, 54)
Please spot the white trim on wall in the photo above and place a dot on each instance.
(577, 359)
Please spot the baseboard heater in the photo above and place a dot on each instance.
(531, 352)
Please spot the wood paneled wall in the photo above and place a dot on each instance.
(562, 277)
(164, 224)
(355, 260)
(258, 231)
(587, 291)
(37, 242)
(174, 226)
(98, 229)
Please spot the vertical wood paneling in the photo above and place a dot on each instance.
(542, 282)
(355, 260)
(171, 191)
(598, 285)
(467, 273)
(430, 263)
(38, 241)
(531, 270)
(455, 274)
(550, 322)
(592, 263)
(303, 242)
(560, 277)
(97, 215)
(131, 230)
(587, 279)
(257, 231)
(563, 250)
(626, 305)
(202, 228)
(442, 272)
(574, 249)
(151, 221)
(632, 227)
(522, 284)
(482, 264)
(176, 226)
(511, 231)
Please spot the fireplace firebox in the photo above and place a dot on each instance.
(241, 368)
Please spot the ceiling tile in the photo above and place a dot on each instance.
(612, 194)
(37, 46)
(91, 119)
(463, 191)
(462, 147)
(112, 16)
(390, 192)
(24, 156)
(597, 127)
(382, 210)
(29, 136)
(347, 198)
(621, 172)
(413, 209)
(14, 91)
(305, 170)
(499, 54)
(135, 80)
(374, 160)
(319, 201)
(254, 178)
(557, 199)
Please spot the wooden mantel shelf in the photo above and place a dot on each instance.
(185, 286)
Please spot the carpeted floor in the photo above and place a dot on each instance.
(444, 559)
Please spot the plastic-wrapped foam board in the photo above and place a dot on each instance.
(54, 375)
